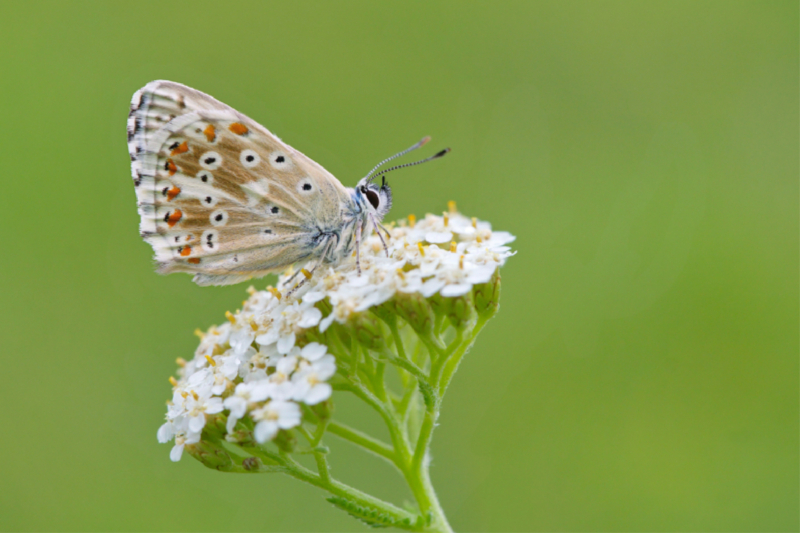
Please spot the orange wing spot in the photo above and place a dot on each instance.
(184, 147)
(171, 167)
(173, 218)
(186, 250)
(172, 193)
(238, 128)
(210, 133)
(194, 260)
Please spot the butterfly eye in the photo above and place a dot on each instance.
(373, 198)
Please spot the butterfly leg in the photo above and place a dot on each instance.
(308, 274)
(358, 247)
(289, 281)
(378, 228)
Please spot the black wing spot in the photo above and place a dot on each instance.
(218, 218)
(306, 186)
(164, 191)
(275, 210)
(250, 158)
(210, 160)
(280, 159)
(174, 145)
(268, 231)
(208, 198)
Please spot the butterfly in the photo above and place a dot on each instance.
(224, 199)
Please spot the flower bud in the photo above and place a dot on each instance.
(323, 410)
(386, 312)
(242, 437)
(487, 296)
(252, 464)
(416, 310)
(286, 440)
(459, 310)
(367, 331)
(215, 427)
(210, 454)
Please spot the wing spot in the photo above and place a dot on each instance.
(180, 148)
(249, 158)
(194, 260)
(210, 160)
(209, 240)
(185, 250)
(305, 186)
(172, 193)
(274, 209)
(238, 128)
(170, 167)
(172, 217)
(218, 218)
(279, 160)
(205, 176)
(210, 133)
(268, 231)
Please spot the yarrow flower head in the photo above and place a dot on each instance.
(266, 375)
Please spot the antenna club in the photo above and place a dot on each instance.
(424, 140)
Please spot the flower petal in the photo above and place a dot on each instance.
(176, 453)
(286, 343)
(313, 351)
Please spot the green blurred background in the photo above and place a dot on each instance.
(643, 371)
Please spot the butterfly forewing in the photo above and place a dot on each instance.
(219, 195)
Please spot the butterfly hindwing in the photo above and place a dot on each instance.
(218, 194)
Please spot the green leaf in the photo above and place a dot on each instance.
(369, 515)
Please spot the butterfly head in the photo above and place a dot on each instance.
(376, 199)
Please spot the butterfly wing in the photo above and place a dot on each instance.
(218, 194)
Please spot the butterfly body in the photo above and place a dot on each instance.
(223, 198)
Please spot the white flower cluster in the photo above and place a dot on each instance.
(441, 254)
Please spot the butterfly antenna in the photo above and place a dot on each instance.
(431, 158)
(395, 156)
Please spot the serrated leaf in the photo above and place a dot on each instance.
(369, 515)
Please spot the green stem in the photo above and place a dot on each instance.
(452, 365)
(322, 467)
(398, 341)
(337, 488)
(389, 417)
(368, 442)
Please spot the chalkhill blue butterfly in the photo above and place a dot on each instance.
(224, 199)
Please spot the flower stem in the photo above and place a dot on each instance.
(367, 442)
(323, 479)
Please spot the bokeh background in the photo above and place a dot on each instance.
(643, 371)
